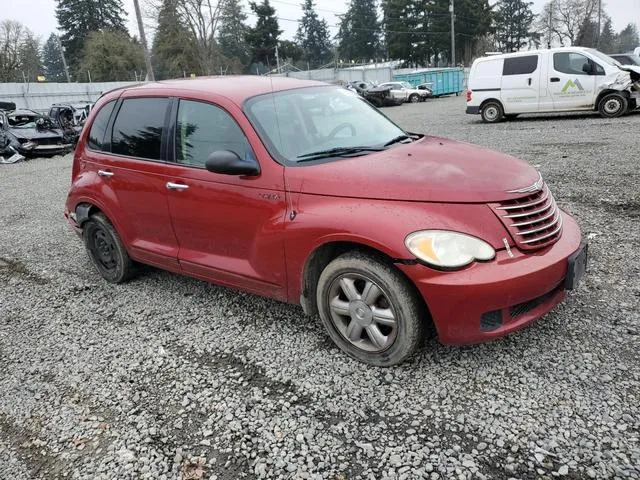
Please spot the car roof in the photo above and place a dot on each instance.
(237, 88)
(534, 52)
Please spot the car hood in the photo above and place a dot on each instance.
(34, 133)
(431, 169)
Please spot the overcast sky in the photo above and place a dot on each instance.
(39, 15)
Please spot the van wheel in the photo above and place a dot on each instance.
(105, 249)
(414, 98)
(370, 310)
(613, 105)
(492, 112)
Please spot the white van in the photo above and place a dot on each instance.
(555, 80)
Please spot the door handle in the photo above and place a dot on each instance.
(177, 186)
(529, 82)
(554, 79)
(105, 173)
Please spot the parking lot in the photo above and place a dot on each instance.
(169, 377)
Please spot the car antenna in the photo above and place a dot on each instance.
(287, 193)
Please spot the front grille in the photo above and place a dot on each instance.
(534, 221)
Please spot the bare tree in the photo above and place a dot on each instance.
(202, 18)
(567, 20)
(12, 36)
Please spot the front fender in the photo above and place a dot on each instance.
(381, 225)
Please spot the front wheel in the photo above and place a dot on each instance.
(492, 112)
(414, 98)
(370, 310)
(613, 105)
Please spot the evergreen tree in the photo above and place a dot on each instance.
(232, 33)
(588, 36)
(263, 38)
(52, 60)
(313, 36)
(174, 51)
(290, 51)
(110, 56)
(79, 18)
(359, 33)
(398, 24)
(30, 60)
(607, 37)
(513, 21)
(628, 39)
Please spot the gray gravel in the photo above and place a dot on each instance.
(169, 377)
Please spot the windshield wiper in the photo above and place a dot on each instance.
(336, 152)
(397, 139)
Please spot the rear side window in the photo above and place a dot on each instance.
(138, 128)
(99, 128)
(202, 129)
(520, 65)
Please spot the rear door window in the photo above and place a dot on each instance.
(138, 128)
(520, 65)
(96, 139)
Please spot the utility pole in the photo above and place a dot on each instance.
(453, 34)
(64, 60)
(550, 22)
(143, 40)
(599, 23)
(277, 59)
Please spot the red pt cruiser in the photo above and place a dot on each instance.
(305, 193)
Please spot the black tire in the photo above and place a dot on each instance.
(613, 105)
(106, 251)
(414, 98)
(397, 301)
(492, 112)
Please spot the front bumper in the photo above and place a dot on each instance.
(489, 300)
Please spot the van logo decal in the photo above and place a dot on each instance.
(572, 84)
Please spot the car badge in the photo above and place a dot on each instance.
(531, 188)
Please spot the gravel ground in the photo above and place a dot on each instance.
(169, 377)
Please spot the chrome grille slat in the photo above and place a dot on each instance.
(550, 234)
(533, 212)
(537, 220)
(534, 220)
(525, 205)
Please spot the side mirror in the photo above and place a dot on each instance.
(227, 162)
(589, 68)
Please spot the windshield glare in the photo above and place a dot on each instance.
(298, 122)
(604, 58)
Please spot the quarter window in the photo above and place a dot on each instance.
(520, 65)
(99, 127)
(137, 130)
(202, 129)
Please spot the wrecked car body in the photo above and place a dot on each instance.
(382, 96)
(32, 134)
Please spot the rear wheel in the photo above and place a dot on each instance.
(613, 105)
(370, 310)
(105, 249)
(492, 112)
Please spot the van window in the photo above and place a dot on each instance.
(520, 65)
(571, 62)
(99, 127)
(137, 130)
(202, 129)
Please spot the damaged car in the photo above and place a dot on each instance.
(564, 79)
(32, 134)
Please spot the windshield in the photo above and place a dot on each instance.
(294, 124)
(605, 58)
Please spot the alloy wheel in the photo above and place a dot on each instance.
(362, 313)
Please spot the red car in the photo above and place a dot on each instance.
(303, 192)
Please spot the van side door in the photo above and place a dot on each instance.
(520, 83)
(572, 80)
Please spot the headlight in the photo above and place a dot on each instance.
(445, 249)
